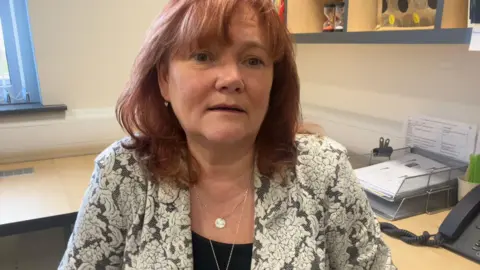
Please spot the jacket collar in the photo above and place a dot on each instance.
(271, 200)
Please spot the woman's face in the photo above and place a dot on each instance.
(221, 93)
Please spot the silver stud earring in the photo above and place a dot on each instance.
(166, 103)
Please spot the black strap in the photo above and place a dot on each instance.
(410, 238)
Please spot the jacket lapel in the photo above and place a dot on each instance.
(271, 200)
(174, 213)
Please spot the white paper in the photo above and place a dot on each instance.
(388, 178)
(475, 40)
(449, 138)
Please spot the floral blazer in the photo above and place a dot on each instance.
(320, 219)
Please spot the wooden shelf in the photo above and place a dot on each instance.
(305, 19)
(440, 36)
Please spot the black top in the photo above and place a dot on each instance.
(203, 257)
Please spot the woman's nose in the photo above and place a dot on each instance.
(229, 78)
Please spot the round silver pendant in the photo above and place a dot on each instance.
(220, 223)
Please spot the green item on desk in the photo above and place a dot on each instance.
(473, 171)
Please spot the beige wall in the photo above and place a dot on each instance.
(85, 49)
(361, 92)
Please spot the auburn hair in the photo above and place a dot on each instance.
(156, 135)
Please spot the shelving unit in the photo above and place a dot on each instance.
(305, 19)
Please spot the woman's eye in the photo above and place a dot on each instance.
(254, 62)
(202, 57)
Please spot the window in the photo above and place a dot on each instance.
(4, 76)
(18, 74)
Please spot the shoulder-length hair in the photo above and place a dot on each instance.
(156, 135)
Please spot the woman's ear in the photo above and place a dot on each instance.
(162, 76)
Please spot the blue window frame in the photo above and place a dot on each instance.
(18, 72)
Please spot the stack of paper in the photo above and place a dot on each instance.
(389, 178)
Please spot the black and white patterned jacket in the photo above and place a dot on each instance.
(320, 220)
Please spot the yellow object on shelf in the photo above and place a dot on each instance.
(406, 14)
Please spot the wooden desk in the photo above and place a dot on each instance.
(52, 195)
(412, 257)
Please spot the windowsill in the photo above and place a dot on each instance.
(32, 108)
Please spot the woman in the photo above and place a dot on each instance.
(213, 175)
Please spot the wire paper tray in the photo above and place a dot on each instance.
(425, 193)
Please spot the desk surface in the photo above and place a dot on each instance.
(57, 186)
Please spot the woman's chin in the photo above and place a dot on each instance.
(225, 136)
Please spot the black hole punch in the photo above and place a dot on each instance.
(432, 4)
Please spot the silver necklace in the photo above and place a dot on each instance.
(221, 221)
(236, 233)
